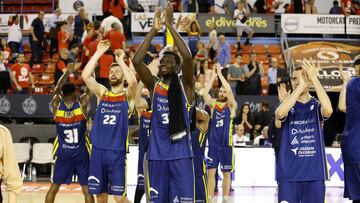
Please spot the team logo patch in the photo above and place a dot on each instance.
(29, 106)
(4, 105)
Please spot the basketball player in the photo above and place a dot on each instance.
(349, 103)
(71, 146)
(198, 141)
(220, 138)
(301, 168)
(109, 134)
(169, 154)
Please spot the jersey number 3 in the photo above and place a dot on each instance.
(72, 136)
(109, 120)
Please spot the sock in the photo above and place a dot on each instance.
(138, 194)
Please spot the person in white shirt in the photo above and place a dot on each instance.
(213, 42)
(264, 135)
(241, 15)
(14, 35)
(239, 138)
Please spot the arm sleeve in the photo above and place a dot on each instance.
(11, 176)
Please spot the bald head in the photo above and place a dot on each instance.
(240, 130)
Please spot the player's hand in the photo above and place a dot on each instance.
(153, 67)
(217, 68)
(70, 67)
(18, 88)
(302, 82)
(311, 69)
(103, 46)
(157, 24)
(119, 55)
(244, 117)
(169, 14)
(282, 93)
(343, 75)
(33, 87)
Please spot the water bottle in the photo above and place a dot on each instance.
(33, 174)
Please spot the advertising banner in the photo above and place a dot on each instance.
(91, 6)
(260, 23)
(329, 55)
(320, 24)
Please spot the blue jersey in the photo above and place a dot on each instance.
(144, 130)
(71, 140)
(221, 126)
(302, 152)
(110, 128)
(161, 147)
(350, 141)
(198, 140)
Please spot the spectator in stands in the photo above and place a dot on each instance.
(336, 9)
(272, 5)
(61, 64)
(259, 6)
(288, 8)
(223, 57)
(346, 6)
(70, 24)
(9, 168)
(116, 37)
(229, 7)
(213, 44)
(194, 32)
(239, 137)
(135, 6)
(298, 6)
(21, 76)
(116, 9)
(253, 72)
(262, 139)
(241, 17)
(189, 6)
(236, 75)
(92, 46)
(89, 38)
(63, 36)
(36, 38)
(204, 6)
(245, 118)
(150, 54)
(6, 50)
(212, 9)
(74, 53)
(105, 8)
(263, 118)
(14, 35)
(5, 82)
(105, 62)
(92, 27)
(200, 59)
(108, 21)
(80, 25)
(276, 76)
(53, 34)
(248, 7)
(310, 7)
(356, 8)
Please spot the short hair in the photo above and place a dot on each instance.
(177, 57)
(68, 89)
(114, 65)
(97, 25)
(335, 3)
(265, 104)
(75, 46)
(238, 53)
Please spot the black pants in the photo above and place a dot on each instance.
(53, 46)
(14, 46)
(273, 89)
(5, 82)
(36, 53)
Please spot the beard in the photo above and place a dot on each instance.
(116, 82)
(222, 99)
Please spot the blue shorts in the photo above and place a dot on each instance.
(222, 155)
(352, 181)
(107, 172)
(306, 191)
(140, 176)
(171, 181)
(65, 168)
(200, 189)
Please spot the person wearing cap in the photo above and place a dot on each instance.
(9, 169)
(349, 103)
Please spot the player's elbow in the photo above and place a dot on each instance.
(342, 108)
(326, 112)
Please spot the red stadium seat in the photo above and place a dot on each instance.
(27, 48)
(55, 57)
(262, 57)
(258, 49)
(245, 49)
(274, 49)
(47, 79)
(50, 68)
(46, 57)
(41, 90)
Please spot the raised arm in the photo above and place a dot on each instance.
(85, 101)
(140, 103)
(312, 71)
(207, 97)
(284, 108)
(227, 87)
(138, 60)
(87, 74)
(186, 67)
(57, 91)
(342, 97)
(129, 77)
